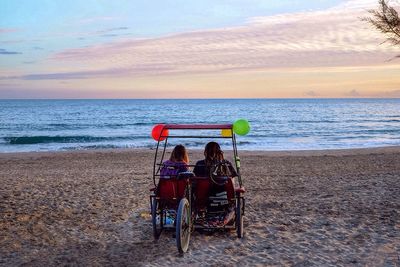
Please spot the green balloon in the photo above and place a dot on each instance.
(241, 127)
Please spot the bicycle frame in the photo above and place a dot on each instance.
(163, 143)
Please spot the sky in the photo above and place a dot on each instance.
(194, 49)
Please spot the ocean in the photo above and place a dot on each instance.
(276, 124)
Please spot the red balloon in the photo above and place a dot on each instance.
(159, 130)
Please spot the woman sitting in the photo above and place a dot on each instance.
(176, 164)
(213, 154)
(205, 189)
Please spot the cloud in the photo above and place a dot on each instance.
(113, 29)
(2, 85)
(62, 76)
(393, 93)
(333, 37)
(37, 48)
(18, 41)
(83, 74)
(85, 21)
(7, 30)
(316, 39)
(6, 52)
(311, 93)
(110, 35)
(353, 93)
(110, 32)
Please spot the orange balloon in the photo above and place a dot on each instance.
(159, 133)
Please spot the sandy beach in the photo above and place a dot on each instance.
(304, 208)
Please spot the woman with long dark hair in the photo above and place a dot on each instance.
(212, 155)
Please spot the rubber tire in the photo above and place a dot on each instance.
(157, 227)
(182, 242)
(239, 217)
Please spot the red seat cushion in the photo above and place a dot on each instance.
(171, 189)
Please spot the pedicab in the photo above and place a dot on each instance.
(185, 202)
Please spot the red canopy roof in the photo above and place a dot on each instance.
(198, 126)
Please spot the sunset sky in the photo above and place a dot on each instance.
(187, 49)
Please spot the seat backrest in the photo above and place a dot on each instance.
(171, 189)
(203, 187)
(202, 192)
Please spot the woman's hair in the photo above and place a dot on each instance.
(179, 154)
(212, 153)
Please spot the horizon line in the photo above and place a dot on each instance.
(233, 98)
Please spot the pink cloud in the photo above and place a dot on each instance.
(392, 93)
(311, 93)
(7, 30)
(353, 93)
(328, 38)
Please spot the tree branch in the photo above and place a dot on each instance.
(386, 20)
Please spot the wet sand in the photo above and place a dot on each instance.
(304, 208)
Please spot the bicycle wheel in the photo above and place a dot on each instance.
(239, 217)
(183, 226)
(157, 216)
